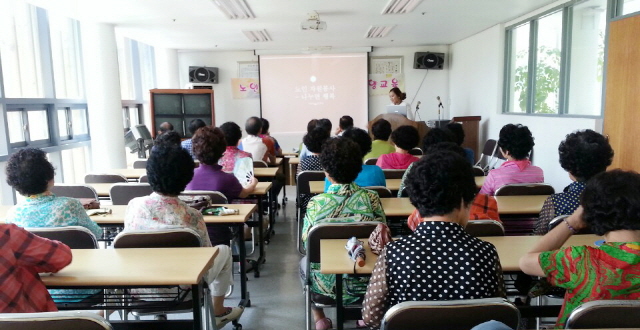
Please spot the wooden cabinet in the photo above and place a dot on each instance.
(179, 107)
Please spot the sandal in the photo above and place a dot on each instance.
(324, 324)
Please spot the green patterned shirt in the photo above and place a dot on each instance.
(356, 202)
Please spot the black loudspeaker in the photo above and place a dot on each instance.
(203, 74)
(428, 60)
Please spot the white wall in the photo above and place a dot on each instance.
(435, 84)
(476, 89)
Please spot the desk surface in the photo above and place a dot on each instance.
(260, 172)
(294, 161)
(262, 188)
(334, 258)
(134, 267)
(317, 187)
(480, 181)
(103, 188)
(118, 211)
(277, 163)
(129, 173)
(520, 204)
(397, 207)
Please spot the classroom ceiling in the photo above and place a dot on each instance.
(200, 25)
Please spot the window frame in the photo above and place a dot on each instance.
(613, 7)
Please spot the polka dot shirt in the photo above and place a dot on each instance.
(439, 261)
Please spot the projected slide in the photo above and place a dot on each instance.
(297, 88)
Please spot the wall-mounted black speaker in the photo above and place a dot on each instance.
(203, 74)
(428, 60)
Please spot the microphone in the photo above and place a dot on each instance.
(418, 105)
(439, 102)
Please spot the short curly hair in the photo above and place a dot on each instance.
(361, 137)
(169, 170)
(232, 133)
(405, 137)
(517, 140)
(324, 123)
(436, 135)
(195, 124)
(449, 146)
(611, 201)
(585, 154)
(315, 139)
(168, 138)
(439, 181)
(458, 132)
(381, 130)
(29, 171)
(208, 145)
(341, 159)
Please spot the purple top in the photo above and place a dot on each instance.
(211, 177)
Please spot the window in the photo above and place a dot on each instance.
(20, 50)
(147, 70)
(63, 124)
(126, 68)
(28, 126)
(65, 54)
(554, 61)
(630, 6)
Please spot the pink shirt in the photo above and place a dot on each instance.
(228, 160)
(396, 161)
(514, 171)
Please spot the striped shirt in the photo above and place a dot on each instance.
(513, 171)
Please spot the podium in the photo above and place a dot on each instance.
(397, 120)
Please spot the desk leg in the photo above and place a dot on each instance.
(339, 309)
(196, 291)
(256, 263)
(242, 251)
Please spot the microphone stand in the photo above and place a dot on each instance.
(417, 114)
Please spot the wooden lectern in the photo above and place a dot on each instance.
(397, 120)
(471, 126)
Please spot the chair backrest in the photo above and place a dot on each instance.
(383, 192)
(605, 314)
(74, 190)
(305, 177)
(478, 171)
(122, 193)
(336, 230)
(393, 174)
(490, 148)
(140, 164)
(143, 179)
(75, 237)
(158, 238)
(104, 178)
(62, 320)
(216, 196)
(479, 228)
(416, 152)
(490, 155)
(451, 315)
(260, 163)
(520, 189)
(371, 161)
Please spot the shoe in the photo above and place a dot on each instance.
(324, 324)
(232, 314)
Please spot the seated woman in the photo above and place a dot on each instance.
(371, 175)
(458, 133)
(342, 161)
(169, 169)
(31, 174)
(516, 142)
(583, 154)
(232, 135)
(381, 131)
(433, 137)
(610, 207)
(303, 152)
(405, 138)
(448, 263)
(313, 140)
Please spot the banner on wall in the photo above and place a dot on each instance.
(380, 84)
(245, 88)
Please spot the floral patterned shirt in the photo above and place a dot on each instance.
(228, 160)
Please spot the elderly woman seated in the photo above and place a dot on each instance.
(341, 159)
(439, 261)
(405, 138)
(169, 170)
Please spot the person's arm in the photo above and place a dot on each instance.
(376, 205)
(529, 263)
(40, 254)
(248, 190)
(547, 214)
(375, 299)
(309, 217)
(78, 212)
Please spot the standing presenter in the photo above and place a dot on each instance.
(397, 97)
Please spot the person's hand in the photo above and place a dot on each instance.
(338, 130)
(575, 220)
(253, 183)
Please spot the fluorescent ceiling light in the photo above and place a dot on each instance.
(379, 31)
(257, 36)
(400, 6)
(235, 9)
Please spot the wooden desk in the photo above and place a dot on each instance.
(262, 188)
(480, 181)
(277, 163)
(101, 188)
(293, 169)
(317, 187)
(397, 207)
(520, 205)
(265, 172)
(131, 268)
(129, 173)
(294, 161)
